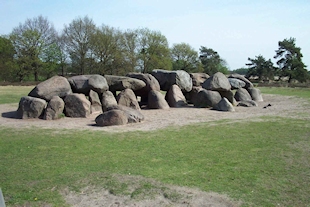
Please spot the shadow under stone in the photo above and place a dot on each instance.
(10, 114)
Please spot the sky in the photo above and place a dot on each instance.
(236, 29)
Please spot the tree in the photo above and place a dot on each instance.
(153, 51)
(241, 71)
(7, 64)
(261, 67)
(211, 61)
(77, 36)
(31, 40)
(184, 57)
(289, 60)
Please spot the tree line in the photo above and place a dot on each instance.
(34, 50)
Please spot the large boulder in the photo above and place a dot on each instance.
(224, 105)
(150, 81)
(54, 109)
(85, 83)
(95, 102)
(112, 117)
(191, 96)
(242, 95)
(199, 78)
(217, 82)
(119, 83)
(108, 100)
(207, 98)
(133, 115)
(156, 100)
(77, 105)
(128, 98)
(248, 83)
(236, 83)
(175, 97)
(168, 78)
(255, 94)
(55, 86)
(30, 107)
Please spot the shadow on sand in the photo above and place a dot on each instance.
(10, 114)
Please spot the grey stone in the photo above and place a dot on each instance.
(217, 82)
(236, 83)
(248, 83)
(150, 81)
(133, 115)
(108, 100)
(156, 100)
(230, 96)
(30, 107)
(77, 105)
(54, 109)
(55, 86)
(207, 98)
(168, 78)
(242, 95)
(112, 117)
(95, 102)
(224, 105)
(175, 97)
(119, 83)
(249, 103)
(128, 98)
(255, 94)
(85, 83)
(199, 78)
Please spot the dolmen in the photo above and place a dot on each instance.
(118, 100)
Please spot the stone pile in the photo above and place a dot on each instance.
(118, 99)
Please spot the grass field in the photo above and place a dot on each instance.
(265, 163)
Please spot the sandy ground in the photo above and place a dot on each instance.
(281, 106)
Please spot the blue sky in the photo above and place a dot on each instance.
(236, 29)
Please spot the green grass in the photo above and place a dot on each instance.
(12, 94)
(286, 91)
(260, 163)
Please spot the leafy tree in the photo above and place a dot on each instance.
(184, 57)
(31, 40)
(154, 51)
(211, 61)
(7, 64)
(289, 60)
(261, 67)
(77, 36)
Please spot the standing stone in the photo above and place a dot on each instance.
(112, 117)
(128, 98)
(175, 97)
(55, 86)
(156, 100)
(217, 82)
(94, 99)
(108, 100)
(168, 78)
(224, 105)
(230, 96)
(30, 107)
(191, 96)
(77, 105)
(54, 108)
(255, 94)
(206, 98)
(242, 95)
